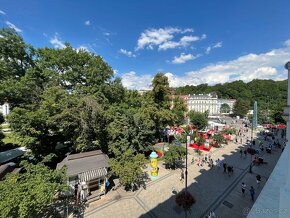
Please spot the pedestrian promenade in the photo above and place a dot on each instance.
(212, 188)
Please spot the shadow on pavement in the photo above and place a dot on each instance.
(212, 186)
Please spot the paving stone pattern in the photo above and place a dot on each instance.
(211, 188)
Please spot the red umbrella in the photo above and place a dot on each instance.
(281, 126)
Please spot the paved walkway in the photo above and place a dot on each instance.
(213, 189)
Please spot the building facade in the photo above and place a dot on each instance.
(207, 102)
(229, 102)
(5, 109)
(203, 102)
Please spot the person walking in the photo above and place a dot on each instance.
(211, 163)
(258, 177)
(241, 152)
(245, 153)
(243, 188)
(205, 158)
(182, 175)
(252, 192)
(225, 167)
(218, 163)
(229, 170)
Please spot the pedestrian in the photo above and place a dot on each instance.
(205, 158)
(218, 163)
(245, 153)
(192, 160)
(243, 188)
(241, 152)
(225, 167)
(182, 175)
(252, 191)
(241, 141)
(211, 163)
(107, 186)
(258, 177)
(229, 169)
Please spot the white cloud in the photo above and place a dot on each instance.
(132, 81)
(87, 23)
(185, 40)
(183, 58)
(268, 65)
(11, 25)
(218, 45)
(162, 38)
(203, 36)
(287, 43)
(187, 30)
(127, 53)
(2, 12)
(56, 42)
(84, 48)
(168, 45)
(209, 48)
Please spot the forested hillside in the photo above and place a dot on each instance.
(270, 95)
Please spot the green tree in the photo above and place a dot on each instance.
(174, 155)
(161, 91)
(128, 167)
(32, 193)
(219, 139)
(200, 141)
(241, 107)
(127, 130)
(199, 120)
(179, 109)
(225, 108)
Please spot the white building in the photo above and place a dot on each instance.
(5, 109)
(203, 102)
(229, 102)
(210, 102)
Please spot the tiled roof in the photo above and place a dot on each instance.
(83, 162)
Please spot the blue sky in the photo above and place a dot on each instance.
(192, 42)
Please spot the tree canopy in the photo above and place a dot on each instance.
(225, 108)
(32, 193)
(199, 120)
(128, 167)
(241, 107)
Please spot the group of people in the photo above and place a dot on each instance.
(206, 159)
(228, 169)
(243, 153)
(251, 190)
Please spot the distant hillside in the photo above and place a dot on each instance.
(268, 93)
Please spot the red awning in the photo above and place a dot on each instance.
(281, 126)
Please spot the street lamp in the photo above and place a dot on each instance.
(186, 155)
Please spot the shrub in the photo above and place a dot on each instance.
(185, 200)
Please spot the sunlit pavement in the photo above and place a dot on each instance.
(213, 189)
